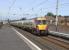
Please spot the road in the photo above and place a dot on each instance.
(9, 40)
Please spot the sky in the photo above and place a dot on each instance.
(16, 9)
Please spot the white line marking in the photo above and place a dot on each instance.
(30, 43)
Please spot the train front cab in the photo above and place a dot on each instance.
(42, 26)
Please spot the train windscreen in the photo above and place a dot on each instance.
(41, 22)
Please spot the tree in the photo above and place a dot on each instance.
(50, 14)
(60, 15)
(23, 18)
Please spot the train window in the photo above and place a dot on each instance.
(30, 23)
(44, 21)
(38, 22)
(41, 22)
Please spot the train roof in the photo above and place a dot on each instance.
(41, 18)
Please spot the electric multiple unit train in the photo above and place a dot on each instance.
(36, 25)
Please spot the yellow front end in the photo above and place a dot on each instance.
(42, 27)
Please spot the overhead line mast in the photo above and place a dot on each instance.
(56, 15)
(11, 7)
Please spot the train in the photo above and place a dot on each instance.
(36, 25)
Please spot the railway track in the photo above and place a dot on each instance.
(56, 41)
(46, 42)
